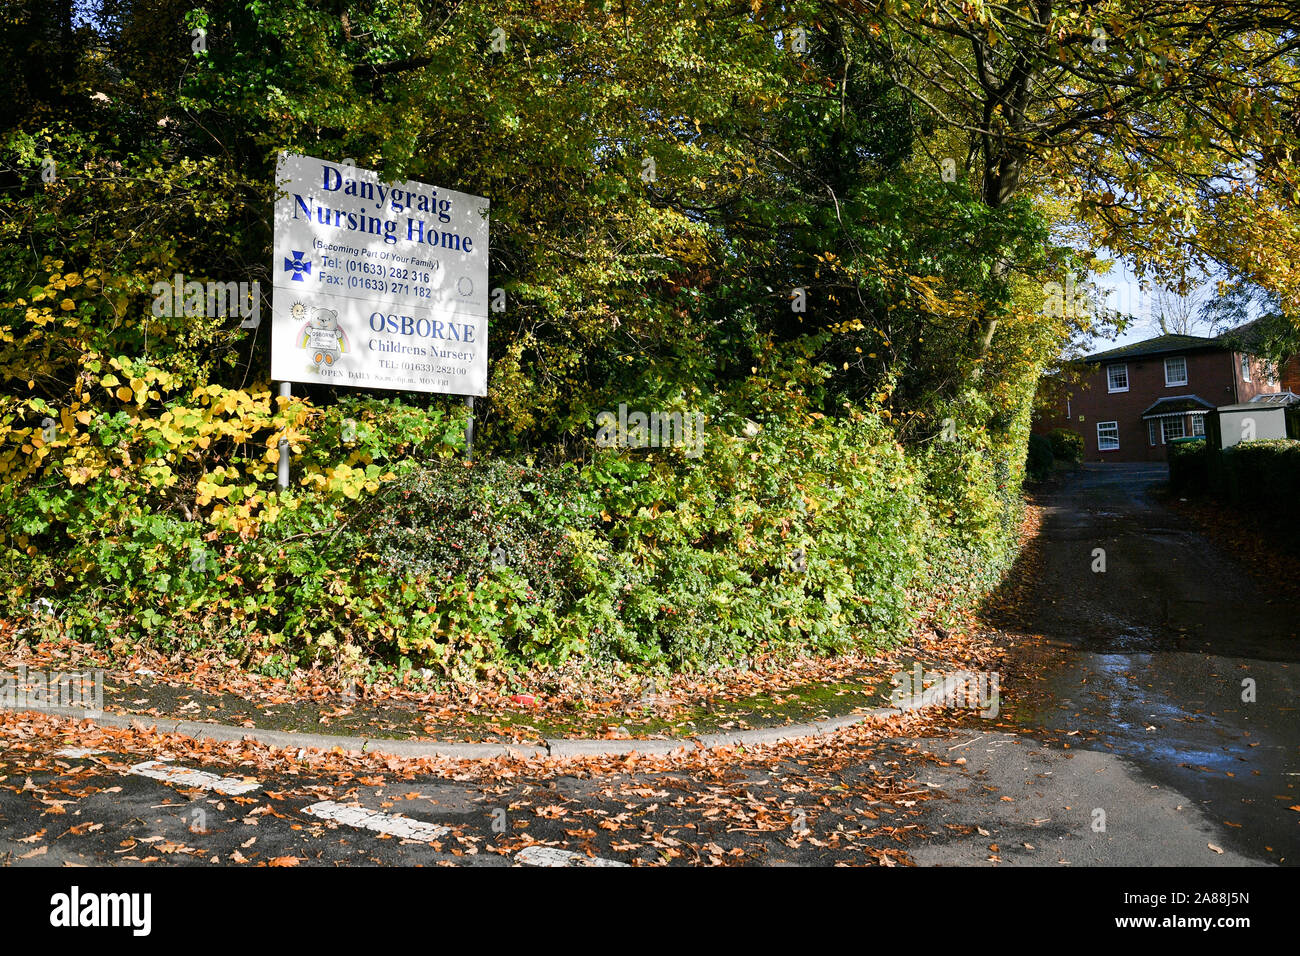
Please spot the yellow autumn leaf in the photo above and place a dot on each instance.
(124, 393)
(67, 305)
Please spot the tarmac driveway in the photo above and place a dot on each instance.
(1171, 677)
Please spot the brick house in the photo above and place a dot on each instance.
(1133, 400)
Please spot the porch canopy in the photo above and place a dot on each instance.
(1176, 406)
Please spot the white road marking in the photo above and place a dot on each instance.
(394, 824)
(554, 856)
(76, 752)
(184, 777)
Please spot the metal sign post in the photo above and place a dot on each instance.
(282, 477)
(469, 429)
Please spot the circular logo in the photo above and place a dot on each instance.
(465, 285)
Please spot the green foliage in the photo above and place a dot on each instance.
(1067, 445)
(1260, 475)
(1038, 458)
(812, 535)
(151, 513)
(1188, 465)
(807, 534)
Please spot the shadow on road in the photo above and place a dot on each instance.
(1133, 634)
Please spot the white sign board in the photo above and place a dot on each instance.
(378, 285)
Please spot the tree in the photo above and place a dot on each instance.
(1154, 120)
(1181, 313)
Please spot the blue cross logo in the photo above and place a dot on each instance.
(297, 266)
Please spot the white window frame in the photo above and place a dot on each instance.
(1153, 431)
(1171, 383)
(1198, 426)
(1245, 367)
(1110, 388)
(1165, 437)
(1109, 427)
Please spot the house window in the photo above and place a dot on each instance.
(1245, 368)
(1153, 432)
(1108, 436)
(1198, 426)
(1171, 428)
(1175, 371)
(1117, 378)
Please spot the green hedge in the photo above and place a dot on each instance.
(1188, 465)
(1262, 475)
(1067, 445)
(1038, 458)
(812, 536)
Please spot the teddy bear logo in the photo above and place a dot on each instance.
(321, 336)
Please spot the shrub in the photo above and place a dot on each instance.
(1262, 475)
(1188, 465)
(1067, 445)
(1039, 458)
(473, 564)
(813, 535)
(810, 535)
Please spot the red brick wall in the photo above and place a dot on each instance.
(1257, 384)
(1290, 375)
(1212, 376)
